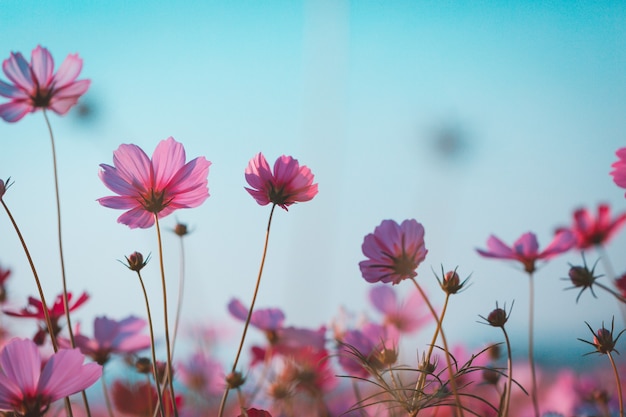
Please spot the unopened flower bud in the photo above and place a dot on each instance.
(494, 352)
(143, 365)
(451, 282)
(135, 261)
(181, 229)
(581, 276)
(235, 380)
(497, 318)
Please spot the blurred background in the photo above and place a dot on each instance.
(474, 118)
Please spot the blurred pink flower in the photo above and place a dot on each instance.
(159, 186)
(526, 248)
(253, 412)
(35, 307)
(394, 251)
(34, 85)
(28, 389)
(619, 168)
(368, 347)
(202, 374)
(591, 230)
(404, 316)
(111, 337)
(289, 183)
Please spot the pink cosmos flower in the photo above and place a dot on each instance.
(35, 307)
(253, 412)
(28, 389)
(394, 251)
(403, 316)
(591, 231)
(203, 374)
(156, 186)
(35, 86)
(289, 183)
(526, 248)
(619, 168)
(371, 346)
(111, 337)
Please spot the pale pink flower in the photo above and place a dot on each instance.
(619, 168)
(28, 389)
(526, 249)
(35, 86)
(405, 316)
(112, 337)
(157, 186)
(593, 230)
(394, 251)
(289, 183)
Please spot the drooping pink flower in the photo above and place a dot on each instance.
(36, 86)
(28, 389)
(289, 183)
(619, 168)
(404, 316)
(394, 251)
(111, 337)
(158, 186)
(35, 310)
(591, 230)
(526, 249)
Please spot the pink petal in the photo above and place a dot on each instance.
(17, 70)
(42, 66)
(497, 249)
(20, 361)
(64, 99)
(14, 111)
(64, 374)
(117, 202)
(383, 298)
(105, 330)
(117, 183)
(562, 242)
(167, 159)
(68, 71)
(134, 166)
(11, 91)
(10, 393)
(137, 217)
(189, 185)
(526, 246)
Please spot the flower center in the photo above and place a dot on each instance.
(154, 201)
(404, 266)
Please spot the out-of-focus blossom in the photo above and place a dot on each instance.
(619, 168)
(28, 389)
(406, 316)
(140, 399)
(282, 340)
(394, 251)
(35, 86)
(156, 186)
(591, 230)
(112, 337)
(289, 183)
(526, 249)
(35, 310)
(202, 374)
(620, 283)
(253, 412)
(367, 349)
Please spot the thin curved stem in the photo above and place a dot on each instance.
(46, 312)
(167, 332)
(439, 320)
(619, 385)
(181, 290)
(245, 327)
(152, 349)
(509, 382)
(107, 398)
(531, 335)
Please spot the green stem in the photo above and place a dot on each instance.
(167, 332)
(152, 349)
(531, 353)
(245, 327)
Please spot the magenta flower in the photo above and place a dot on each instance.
(28, 389)
(394, 251)
(35, 86)
(289, 183)
(111, 337)
(619, 168)
(591, 230)
(157, 186)
(403, 316)
(526, 249)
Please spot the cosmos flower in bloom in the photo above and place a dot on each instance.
(619, 168)
(35, 86)
(28, 389)
(526, 249)
(593, 230)
(289, 183)
(158, 186)
(394, 251)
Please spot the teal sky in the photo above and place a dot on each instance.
(531, 97)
